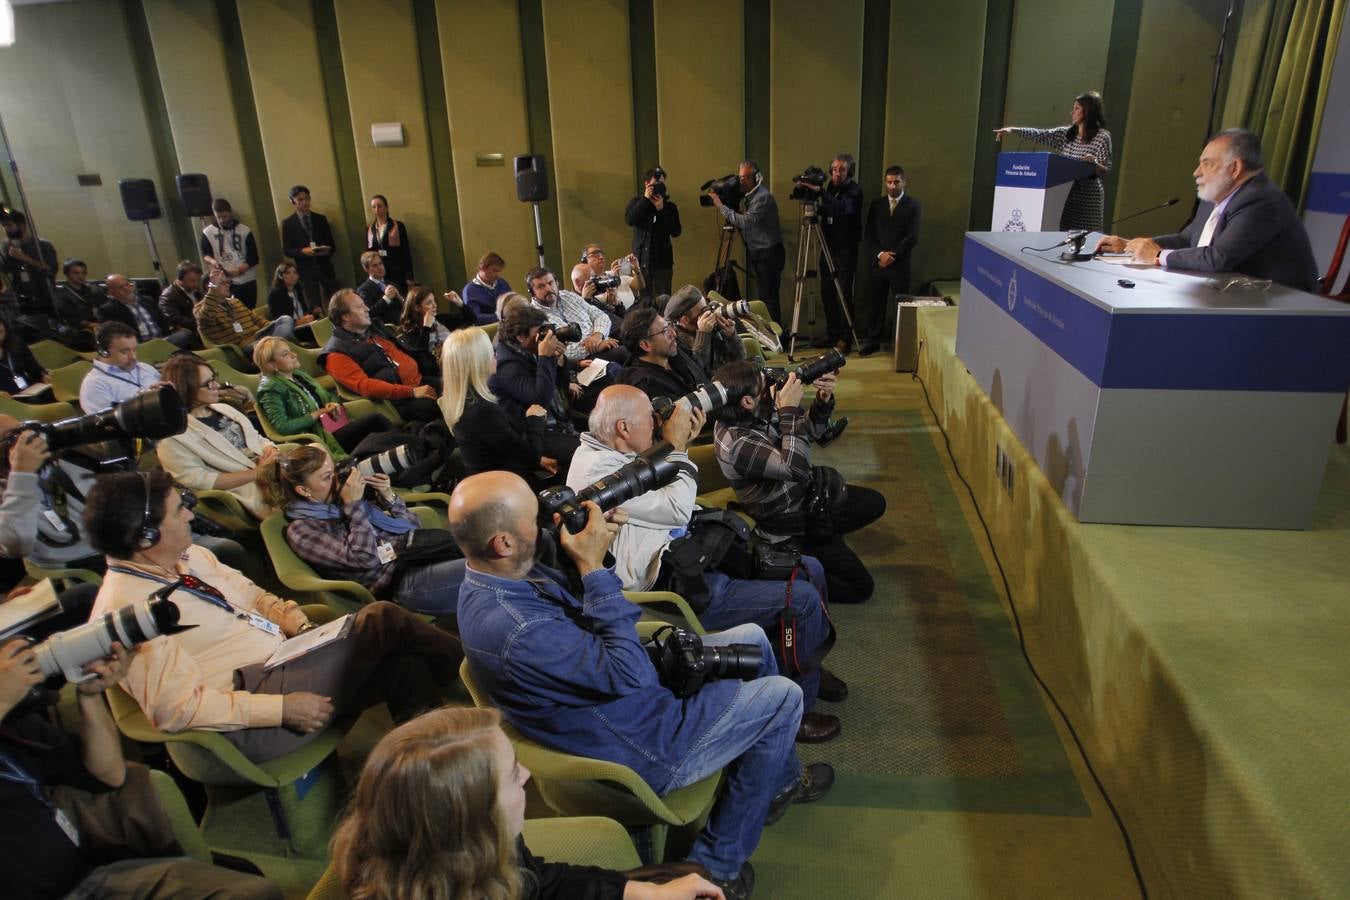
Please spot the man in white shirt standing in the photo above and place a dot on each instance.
(229, 244)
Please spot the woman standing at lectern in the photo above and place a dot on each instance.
(1087, 139)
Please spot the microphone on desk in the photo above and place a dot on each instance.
(1075, 239)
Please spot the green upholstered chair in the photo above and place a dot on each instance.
(761, 309)
(491, 329)
(666, 607)
(61, 577)
(66, 380)
(53, 355)
(322, 329)
(581, 786)
(355, 410)
(225, 510)
(383, 407)
(155, 351)
(298, 575)
(42, 412)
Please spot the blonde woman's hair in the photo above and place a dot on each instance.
(264, 351)
(424, 822)
(278, 478)
(466, 362)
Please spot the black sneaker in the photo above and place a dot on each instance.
(740, 887)
(833, 689)
(814, 783)
(832, 430)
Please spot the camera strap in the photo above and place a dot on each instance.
(790, 661)
(202, 591)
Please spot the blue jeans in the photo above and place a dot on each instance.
(432, 588)
(736, 601)
(755, 741)
(281, 326)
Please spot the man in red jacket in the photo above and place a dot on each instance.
(367, 360)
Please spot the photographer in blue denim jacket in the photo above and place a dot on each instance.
(573, 675)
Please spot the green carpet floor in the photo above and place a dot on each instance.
(954, 780)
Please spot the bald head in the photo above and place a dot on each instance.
(492, 517)
(8, 424)
(580, 273)
(620, 411)
(120, 288)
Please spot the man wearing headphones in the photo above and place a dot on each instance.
(760, 230)
(841, 203)
(116, 374)
(215, 677)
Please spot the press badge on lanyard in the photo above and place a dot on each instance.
(385, 551)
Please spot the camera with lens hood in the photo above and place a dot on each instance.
(727, 188)
(706, 397)
(66, 653)
(649, 471)
(604, 282)
(387, 462)
(808, 371)
(568, 334)
(683, 663)
(731, 308)
(153, 414)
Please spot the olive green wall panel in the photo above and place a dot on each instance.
(190, 57)
(931, 114)
(70, 111)
(591, 107)
(1058, 52)
(1170, 97)
(288, 90)
(701, 110)
(379, 53)
(481, 57)
(815, 83)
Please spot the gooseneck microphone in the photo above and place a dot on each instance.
(1075, 239)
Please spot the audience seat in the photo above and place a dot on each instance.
(53, 354)
(155, 352)
(66, 380)
(322, 330)
(42, 412)
(355, 410)
(666, 607)
(383, 407)
(298, 575)
(580, 786)
(61, 577)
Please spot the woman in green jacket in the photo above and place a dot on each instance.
(294, 403)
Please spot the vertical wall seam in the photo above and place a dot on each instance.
(350, 197)
(161, 134)
(998, 24)
(540, 123)
(758, 87)
(451, 237)
(265, 225)
(642, 54)
(1117, 90)
(872, 99)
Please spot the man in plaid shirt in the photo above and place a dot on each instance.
(763, 444)
(223, 320)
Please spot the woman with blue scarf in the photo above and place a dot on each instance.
(359, 530)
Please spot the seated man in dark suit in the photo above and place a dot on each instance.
(382, 297)
(1245, 223)
(307, 238)
(139, 313)
(177, 300)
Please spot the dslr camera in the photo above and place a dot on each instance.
(706, 397)
(814, 175)
(731, 308)
(154, 414)
(568, 334)
(389, 462)
(604, 282)
(683, 664)
(728, 188)
(808, 371)
(66, 653)
(649, 471)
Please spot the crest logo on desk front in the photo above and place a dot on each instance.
(1015, 223)
(1012, 291)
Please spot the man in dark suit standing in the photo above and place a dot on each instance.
(308, 239)
(1244, 223)
(891, 231)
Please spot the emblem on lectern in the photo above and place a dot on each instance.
(1012, 291)
(1015, 223)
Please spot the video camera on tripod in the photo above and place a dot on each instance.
(813, 175)
(727, 188)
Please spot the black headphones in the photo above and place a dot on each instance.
(850, 161)
(149, 534)
(100, 343)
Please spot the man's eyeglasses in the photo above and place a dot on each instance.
(669, 328)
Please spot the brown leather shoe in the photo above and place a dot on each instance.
(817, 728)
(832, 687)
(842, 346)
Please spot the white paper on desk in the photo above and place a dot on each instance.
(595, 370)
(1124, 259)
(298, 646)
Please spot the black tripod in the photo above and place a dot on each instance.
(725, 245)
(808, 229)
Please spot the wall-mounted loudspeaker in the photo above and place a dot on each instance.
(531, 179)
(139, 199)
(195, 192)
